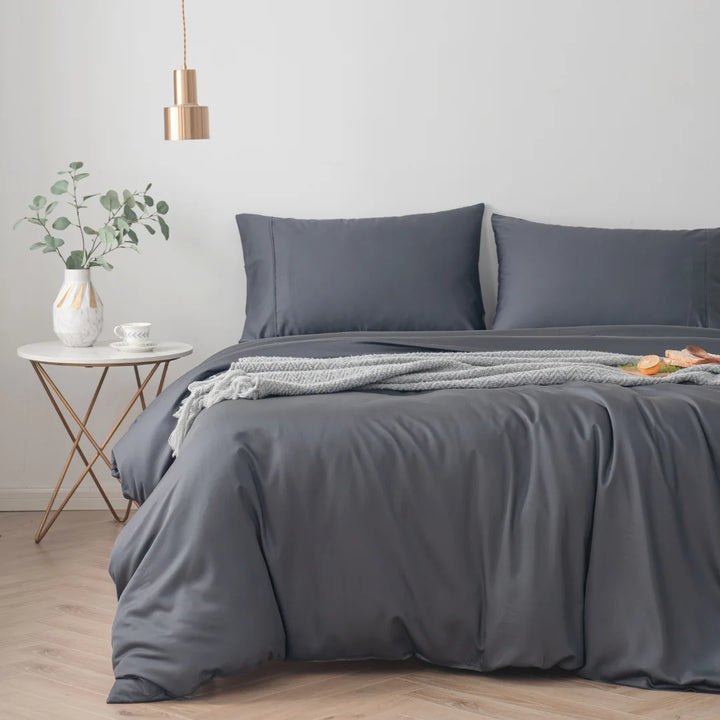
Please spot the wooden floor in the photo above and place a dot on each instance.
(57, 604)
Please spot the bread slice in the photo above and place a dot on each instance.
(682, 358)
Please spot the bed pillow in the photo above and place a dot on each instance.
(418, 272)
(558, 276)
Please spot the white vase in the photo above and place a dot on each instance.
(77, 310)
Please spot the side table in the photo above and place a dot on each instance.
(97, 356)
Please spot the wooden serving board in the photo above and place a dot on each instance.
(660, 373)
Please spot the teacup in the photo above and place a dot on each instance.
(134, 334)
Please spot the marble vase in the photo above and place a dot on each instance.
(77, 310)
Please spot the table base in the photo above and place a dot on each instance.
(54, 394)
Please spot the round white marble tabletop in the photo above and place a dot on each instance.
(55, 353)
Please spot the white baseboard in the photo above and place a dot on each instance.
(85, 498)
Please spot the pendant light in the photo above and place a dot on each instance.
(186, 120)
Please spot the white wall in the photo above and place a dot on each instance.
(574, 111)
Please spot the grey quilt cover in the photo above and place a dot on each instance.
(571, 526)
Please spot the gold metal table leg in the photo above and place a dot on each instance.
(161, 384)
(52, 392)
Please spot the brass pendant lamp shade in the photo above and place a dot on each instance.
(186, 120)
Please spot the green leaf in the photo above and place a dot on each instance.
(102, 262)
(17, 223)
(61, 223)
(128, 198)
(140, 205)
(90, 231)
(75, 260)
(110, 201)
(121, 224)
(34, 221)
(149, 201)
(130, 214)
(47, 249)
(51, 207)
(162, 207)
(149, 185)
(37, 245)
(76, 165)
(149, 228)
(59, 187)
(81, 176)
(87, 197)
(107, 235)
(164, 229)
(38, 202)
(63, 172)
(133, 237)
(53, 242)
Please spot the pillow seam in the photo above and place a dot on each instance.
(274, 260)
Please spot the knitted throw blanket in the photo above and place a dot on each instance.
(253, 378)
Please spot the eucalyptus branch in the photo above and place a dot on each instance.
(43, 224)
(108, 223)
(77, 211)
(90, 258)
(118, 231)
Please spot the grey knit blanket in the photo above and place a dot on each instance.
(253, 378)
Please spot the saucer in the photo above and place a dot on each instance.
(124, 347)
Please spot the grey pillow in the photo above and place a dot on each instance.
(555, 276)
(418, 272)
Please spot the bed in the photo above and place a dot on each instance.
(570, 526)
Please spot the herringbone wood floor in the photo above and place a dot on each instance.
(56, 607)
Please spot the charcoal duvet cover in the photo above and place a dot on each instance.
(573, 526)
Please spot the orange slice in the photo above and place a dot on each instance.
(649, 365)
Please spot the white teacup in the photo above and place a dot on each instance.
(134, 334)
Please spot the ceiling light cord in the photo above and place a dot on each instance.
(184, 37)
